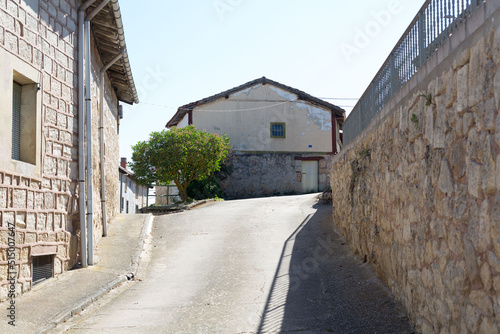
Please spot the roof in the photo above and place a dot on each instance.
(181, 112)
(109, 36)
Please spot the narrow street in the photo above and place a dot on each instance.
(265, 265)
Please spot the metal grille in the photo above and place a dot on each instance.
(277, 130)
(434, 23)
(42, 268)
(16, 121)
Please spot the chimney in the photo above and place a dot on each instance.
(123, 163)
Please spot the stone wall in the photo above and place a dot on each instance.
(267, 174)
(417, 194)
(44, 207)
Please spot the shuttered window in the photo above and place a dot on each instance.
(16, 121)
(42, 268)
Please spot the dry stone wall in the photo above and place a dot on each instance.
(267, 174)
(418, 193)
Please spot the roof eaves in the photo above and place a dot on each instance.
(181, 111)
(113, 42)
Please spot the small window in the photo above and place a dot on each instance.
(278, 130)
(16, 121)
(24, 119)
(42, 268)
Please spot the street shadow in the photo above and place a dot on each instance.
(320, 286)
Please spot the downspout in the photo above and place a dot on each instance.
(88, 107)
(81, 130)
(101, 133)
(88, 101)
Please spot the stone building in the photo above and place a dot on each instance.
(132, 196)
(283, 139)
(45, 107)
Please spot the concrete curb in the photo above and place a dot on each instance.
(84, 303)
(137, 256)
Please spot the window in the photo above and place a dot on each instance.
(20, 116)
(278, 130)
(24, 116)
(42, 268)
(16, 121)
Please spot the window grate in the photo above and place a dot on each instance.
(16, 121)
(277, 130)
(42, 268)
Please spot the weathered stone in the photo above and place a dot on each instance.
(473, 317)
(497, 173)
(471, 261)
(480, 228)
(445, 182)
(19, 198)
(3, 198)
(488, 177)
(462, 89)
(486, 277)
(488, 326)
(476, 74)
(483, 302)
(496, 83)
(456, 158)
(462, 59)
(474, 179)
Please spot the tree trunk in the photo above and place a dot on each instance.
(182, 190)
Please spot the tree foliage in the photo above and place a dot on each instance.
(181, 155)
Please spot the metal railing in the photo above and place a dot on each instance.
(434, 23)
(163, 195)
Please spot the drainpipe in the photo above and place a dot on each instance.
(81, 131)
(88, 102)
(101, 132)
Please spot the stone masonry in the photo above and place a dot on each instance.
(45, 210)
(417, 194)
(256, 175)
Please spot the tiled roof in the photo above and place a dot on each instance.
(181, 112)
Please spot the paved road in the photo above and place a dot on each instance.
(266, 265)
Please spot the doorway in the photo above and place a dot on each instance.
(309, 176)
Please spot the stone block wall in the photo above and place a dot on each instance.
(44, 208)
(266, 174)
(417, 194)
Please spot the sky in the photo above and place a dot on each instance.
(183, 51)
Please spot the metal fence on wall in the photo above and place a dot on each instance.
(434, 23)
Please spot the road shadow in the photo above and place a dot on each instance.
(320, 286)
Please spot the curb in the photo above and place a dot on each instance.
(142, 238)
(84, 303)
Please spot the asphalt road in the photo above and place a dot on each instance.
(270, 265)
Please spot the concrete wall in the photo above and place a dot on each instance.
(256, 175)
(417, 194)
(38, 41)
(246, 118)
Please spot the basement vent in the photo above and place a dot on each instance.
(42, 268)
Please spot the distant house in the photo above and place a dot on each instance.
(58, 177)
(283, 139)
(132, 196)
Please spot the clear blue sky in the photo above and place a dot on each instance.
(183, 51)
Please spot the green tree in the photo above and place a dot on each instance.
(181, 155)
